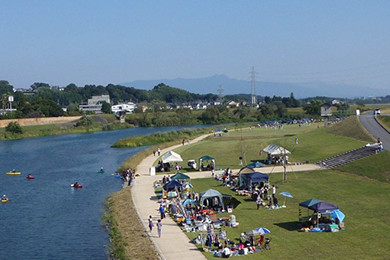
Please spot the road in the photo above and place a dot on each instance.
(374, 128)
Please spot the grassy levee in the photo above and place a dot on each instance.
(313, 145)
(364, 202)
(128, 237)
(351, 127)
(159, 138)
(385, 121)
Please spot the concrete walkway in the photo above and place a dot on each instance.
(174, 244)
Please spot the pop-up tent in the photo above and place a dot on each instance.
(211, 198)
(171, 157)
(180, 176)
(323, 206)
(249, 178)
(172, 185)
(274, 149)
(206, 158)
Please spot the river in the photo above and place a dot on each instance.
(47, 219)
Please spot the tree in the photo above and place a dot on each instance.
(313, 108)
(14, 127)
(106, 108)
(5, 87)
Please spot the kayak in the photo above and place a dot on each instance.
(4, 200)
(100, 171)
(78, 186)
(117, 175)
(13, 173)
(30, 177)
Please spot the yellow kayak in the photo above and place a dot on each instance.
(13, 173)
(4, 200)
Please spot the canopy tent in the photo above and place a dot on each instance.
(172, 185)
(309, 203)
(187, 186)
(212, 198)
(246, 170)
(255, 165)
(323, 206)
(273, 149)
(180, 176)
(171, 157)
(248, 179)
(207, 158)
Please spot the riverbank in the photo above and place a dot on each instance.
(37, 127)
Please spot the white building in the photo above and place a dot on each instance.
(128, 107)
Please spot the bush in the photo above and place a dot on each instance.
(14, 128)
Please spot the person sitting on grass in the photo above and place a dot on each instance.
(226, 252)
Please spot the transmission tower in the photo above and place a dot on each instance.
(253, 86)
(220, 93)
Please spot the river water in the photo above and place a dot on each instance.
(47, 219)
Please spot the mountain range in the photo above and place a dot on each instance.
(263, 88)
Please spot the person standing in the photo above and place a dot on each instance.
(273, 192)
(162, 211)
(158, 151)
(154, 152)
(151, 225)
(159, 227)
(258, 201)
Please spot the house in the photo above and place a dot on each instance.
(95, 104)
(232, 104)
(335, 102)
(126, 107)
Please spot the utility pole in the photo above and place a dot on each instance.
(253, 86)
(220, 93)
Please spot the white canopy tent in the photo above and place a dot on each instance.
(273, 149)
(171, 157)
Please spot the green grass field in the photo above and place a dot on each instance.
(364, 202)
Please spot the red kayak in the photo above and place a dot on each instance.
(77, 186)
(30, 177)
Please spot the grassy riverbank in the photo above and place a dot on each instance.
(129, 239)
(362, 198)
(93, 123)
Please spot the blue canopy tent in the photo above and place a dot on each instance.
(189, 201)
(323, 206)
(248, 179)
(172, 185)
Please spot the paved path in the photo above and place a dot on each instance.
(373, 127)
(174, 244)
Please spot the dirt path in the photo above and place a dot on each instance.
(174, 244)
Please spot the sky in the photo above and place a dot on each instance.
(101, 42)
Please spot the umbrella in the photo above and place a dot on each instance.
(187, 186)
(322, 206)
(286, 195)
(259, 231)
(172, 194)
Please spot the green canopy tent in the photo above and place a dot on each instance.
(206, 158)
(180, 176)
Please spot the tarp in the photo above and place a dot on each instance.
(171, 157)
(308, 203)
(255, 165)
(171, 185)
(211, 194)
(322, 206)
(337, 214)
(189, 201)
(180, 176)
(274, 149)
(206, 158)
(255, 177)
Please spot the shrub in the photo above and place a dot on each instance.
(14, 128)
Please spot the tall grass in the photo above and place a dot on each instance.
(128, 237)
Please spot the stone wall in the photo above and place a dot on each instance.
(39, 120)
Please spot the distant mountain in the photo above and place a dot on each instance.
(235, 86)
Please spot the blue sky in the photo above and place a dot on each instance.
(100, 42)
